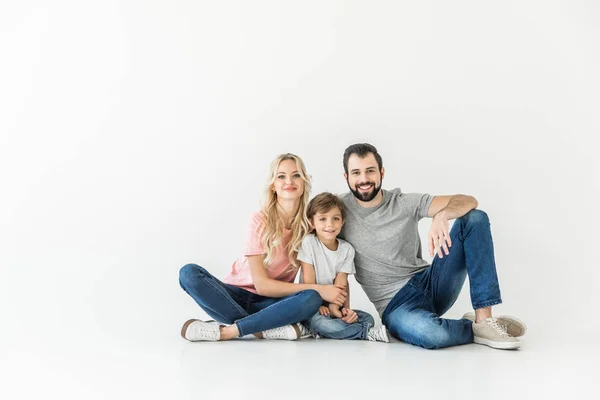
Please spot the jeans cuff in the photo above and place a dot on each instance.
(366, 327)
(488, 303)
(240, 328)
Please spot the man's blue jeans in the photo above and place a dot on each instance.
(251, 312)
(413, 315)
(335, 328)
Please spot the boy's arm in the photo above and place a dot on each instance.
(341, 279)
(348, 315)
(308, 273)
(309, 276)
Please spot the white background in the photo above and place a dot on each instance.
(135, 137)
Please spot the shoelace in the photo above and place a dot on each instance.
(304, 332)
(201, 330)
(376, 334)
(278, 333)
(500, 329)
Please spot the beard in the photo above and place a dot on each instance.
(368, 196)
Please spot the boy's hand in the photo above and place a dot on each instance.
(324, 311)
(350, 316)
(334, 311)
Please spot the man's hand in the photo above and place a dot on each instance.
(324, 311)
(334, 311)
(439, 236)
(350, 316)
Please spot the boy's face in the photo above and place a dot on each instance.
(328, 225)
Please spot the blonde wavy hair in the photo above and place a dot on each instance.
(272, 233)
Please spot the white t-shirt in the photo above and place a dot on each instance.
(327, 263)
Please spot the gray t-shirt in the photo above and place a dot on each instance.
(387, 243)
(327, 262)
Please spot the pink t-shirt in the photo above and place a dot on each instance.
(280, 269)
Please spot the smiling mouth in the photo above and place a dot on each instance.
(365, 187)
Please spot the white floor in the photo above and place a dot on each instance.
(155, 363)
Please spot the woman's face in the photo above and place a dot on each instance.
(288, 184)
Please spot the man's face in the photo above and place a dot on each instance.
(363, 177)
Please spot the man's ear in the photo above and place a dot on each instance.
(345, 176)
(382, 172)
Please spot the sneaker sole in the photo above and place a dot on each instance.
(187, 323)
(497, 345)
(386, 336)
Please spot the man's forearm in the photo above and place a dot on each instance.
(458, 206)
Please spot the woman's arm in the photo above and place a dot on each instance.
(268, 287)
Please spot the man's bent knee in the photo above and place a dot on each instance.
(423, 334)
(476, 217)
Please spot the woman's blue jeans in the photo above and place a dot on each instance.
(251, 312)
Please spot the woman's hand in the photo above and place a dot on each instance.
(335, 294)
(324, 311)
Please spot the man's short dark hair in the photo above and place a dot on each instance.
(362, 150)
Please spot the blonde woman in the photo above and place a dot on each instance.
(258, 296)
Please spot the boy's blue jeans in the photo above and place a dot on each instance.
(413, 315)
(251, 312)
(335, 328)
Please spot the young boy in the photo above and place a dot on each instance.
(325, 259)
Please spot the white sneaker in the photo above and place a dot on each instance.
(196, 330)
(287, 333)
(379, 334)
(304, 332)
(282, 333)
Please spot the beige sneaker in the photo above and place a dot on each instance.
(492, 334)
(513, 326)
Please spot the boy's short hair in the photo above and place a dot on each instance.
(324, 202)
